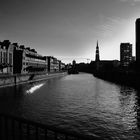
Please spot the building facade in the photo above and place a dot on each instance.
(16, 59)
(27, 60)
(6, 57)
(138, 44)
(53, 64)
(62, 66)
(125, 54)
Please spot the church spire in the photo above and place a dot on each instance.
(97, 58)
(97, 44)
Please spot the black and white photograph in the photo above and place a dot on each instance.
(69, 69)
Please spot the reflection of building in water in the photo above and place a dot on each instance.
(138, 109)
(128, 107)
(34, 88)
(6, 57)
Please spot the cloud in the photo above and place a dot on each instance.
(109, 28)
(130, 1)
(124, 0)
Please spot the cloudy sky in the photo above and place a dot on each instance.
(69, 29)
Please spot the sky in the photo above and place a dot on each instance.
(69, 29)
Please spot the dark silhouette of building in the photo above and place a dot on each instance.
(97, 57)
(6, 57)
(125, 54)
(73, 69)
(138, 44)
(73, 63)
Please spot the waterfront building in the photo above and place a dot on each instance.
(28, 60)
(18, 59)
(56, 64)
(125, 54)
(59, 65)
(107, 65)
(52, 64)
(6, 57)
(73, 63)
(138, 44)
(63, 66)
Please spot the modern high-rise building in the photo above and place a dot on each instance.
(138, 44)
(97, 57)
(125, 54)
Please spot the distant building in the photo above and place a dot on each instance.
(125, 54)
(61, 66)
(6, 57)
(53, 64)
(97, 57)
(116, 63)
(138, 44)
(56, 64)
(73, 63)
(107, 65)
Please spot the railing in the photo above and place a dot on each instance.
(15, 128)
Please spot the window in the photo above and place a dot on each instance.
(4, 57)
(10, 58)
(1, 57)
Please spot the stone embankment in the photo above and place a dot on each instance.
(16, 79)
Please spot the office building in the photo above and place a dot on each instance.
(125, 54)
(138, 44)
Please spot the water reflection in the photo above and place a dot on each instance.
(81, 103)
(138, 109)
(128, 107)
(34, 88)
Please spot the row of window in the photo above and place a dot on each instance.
(33, 64)
(33, 59)
(4, 57)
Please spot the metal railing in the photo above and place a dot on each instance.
(15, 128)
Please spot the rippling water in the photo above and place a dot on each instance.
(81, 103)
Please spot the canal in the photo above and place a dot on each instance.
(81, 103)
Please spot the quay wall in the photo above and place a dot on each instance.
(123, 78)
(11, 80)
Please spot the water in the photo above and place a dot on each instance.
(80, 103)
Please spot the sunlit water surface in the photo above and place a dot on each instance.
(80, 103)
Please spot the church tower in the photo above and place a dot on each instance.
(97, 58)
